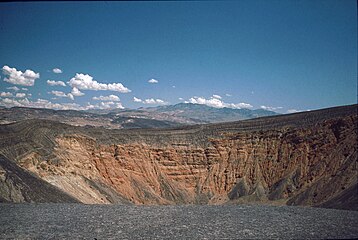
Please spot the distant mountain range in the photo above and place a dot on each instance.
(152, 117)
(208, 114)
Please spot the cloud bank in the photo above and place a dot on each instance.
(270, 108)
(13, 88)
(43, 103)
(217, 103)
(149, 101)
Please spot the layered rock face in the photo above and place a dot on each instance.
(301, 159)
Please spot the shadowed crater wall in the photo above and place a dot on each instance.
(298, 159)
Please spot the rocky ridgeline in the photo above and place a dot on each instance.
(299, 159)
(152, 117)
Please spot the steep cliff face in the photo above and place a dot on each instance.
(308, 159)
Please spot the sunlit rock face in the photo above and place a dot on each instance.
(300, 159)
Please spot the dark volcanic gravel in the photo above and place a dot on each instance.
(69, 221)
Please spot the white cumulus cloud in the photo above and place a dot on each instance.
(216, 96)
(212, 102)
(238, 105)
(76, 92)
(57, 70)
(12, 102)
(70, 96)
(149, 101)
(43, 103)
(153, 80)
(13, 88)
(270, 108)
(118, 105)
(58, 93)
(113, 98)
(24, 89)
(16, 77)
(5, 94)
(153, 101)
(137, 99)
(55, 83)
(296, 111)
(105, 105)
(217, 103)
(62, 94)
(20, 95)
(86, 82)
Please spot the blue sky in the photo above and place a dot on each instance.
(283, 55)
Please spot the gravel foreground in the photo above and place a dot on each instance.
(78, 221)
